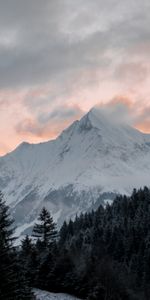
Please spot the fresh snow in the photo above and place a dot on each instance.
(92, 160)
(108, 201)
(43, 295)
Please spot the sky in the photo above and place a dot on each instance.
(59, 58)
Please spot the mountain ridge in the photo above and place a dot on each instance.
(91, 161)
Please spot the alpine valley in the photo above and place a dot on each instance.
(88, 164)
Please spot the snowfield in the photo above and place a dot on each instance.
(43, 295)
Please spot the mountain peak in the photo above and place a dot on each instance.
(102, 116)
(85, 123)
(22, 146)
(98, 118)
(93, 157)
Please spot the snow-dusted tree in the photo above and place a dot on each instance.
(45, 229)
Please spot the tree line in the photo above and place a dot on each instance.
(100, 255)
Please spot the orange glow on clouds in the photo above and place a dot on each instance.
(143, 127)
(21, 111)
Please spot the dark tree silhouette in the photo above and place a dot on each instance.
(13, 285)
(45, 229)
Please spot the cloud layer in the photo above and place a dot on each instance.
(59, 58)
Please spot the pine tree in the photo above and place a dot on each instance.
(63, 233)
(11, 285)
(45, 230)
(7, 276)
(28, 260)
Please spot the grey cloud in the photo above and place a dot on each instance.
(49, 123)
(60, 114)
(123, 110)
(29, 126)
(51, 44)
(131, 72)
(117, 112)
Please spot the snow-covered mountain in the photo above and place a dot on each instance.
(91, 161)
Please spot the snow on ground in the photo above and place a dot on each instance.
(108, 201)
(43, 295)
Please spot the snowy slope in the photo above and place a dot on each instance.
(43, 295)
(88, 163)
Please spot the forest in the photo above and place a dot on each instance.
(100, 255)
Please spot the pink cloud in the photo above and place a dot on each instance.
(3, 149)
(132, 72)
(49, 125)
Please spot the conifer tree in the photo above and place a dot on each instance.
(28, 259)
(45, 229)
(7, 276)
(11, 285)
(63, 233)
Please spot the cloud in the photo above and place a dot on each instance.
(124, 110)
(3, 148)
(143, 119)
(60, 113)
(51, 124)
(132, 72)
(121, 100)
(43, 42)
(62, 54)
(118, 110)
